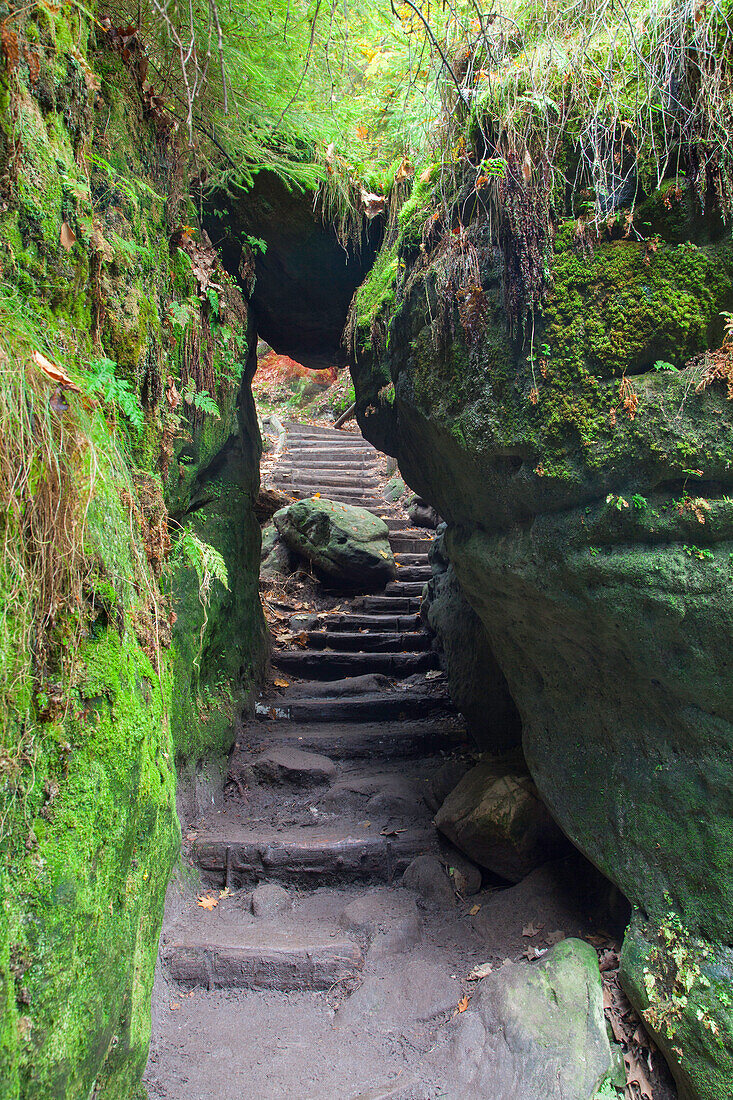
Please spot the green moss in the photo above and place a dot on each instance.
(377, 292)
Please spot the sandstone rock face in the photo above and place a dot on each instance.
(590, 525)
(496, 817)
(349, 546)
(477, 684)
(535, 1033)
(276, 558)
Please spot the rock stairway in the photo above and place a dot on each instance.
(327, 779)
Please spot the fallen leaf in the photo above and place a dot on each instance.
(554, 937)
(174, 1006)
(481, 971)
(206, 901)
(474, 910)
(67, 237)
(462, 1004)
(282, 683)
(225, 893)
(532, 929)
(392, 832)
(372, 204)
(533, 953)
(56, 374)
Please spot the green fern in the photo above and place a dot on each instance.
(116, 392)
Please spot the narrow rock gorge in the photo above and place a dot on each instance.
(411, 733)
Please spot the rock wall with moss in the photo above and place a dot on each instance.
(125, 362)
(584, 470)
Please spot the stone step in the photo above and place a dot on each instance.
(404, 588)
(327, 466)
(397, 604)
(421, 572)
(300, 428)
(403, 559)
(321, 434)
(308, 450)
(332, 665)
(231, 955)
(368, 740)
(379, 623)
(369, 642)
(402, 543)
(326, 485)
(384, 706)
(361, 500)
(306, 856)
(400, 528)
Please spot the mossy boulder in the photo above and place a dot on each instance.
(587, 479)
(537, 1032)
(346, 545)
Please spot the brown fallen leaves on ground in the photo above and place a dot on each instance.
(627, 1029)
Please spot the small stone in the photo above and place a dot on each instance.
(269, 900)
(428, 878)
(388, 919)
(294, 767)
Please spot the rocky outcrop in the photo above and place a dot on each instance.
(585, 477)
(346, 545)
(111, 660)
(301, 279)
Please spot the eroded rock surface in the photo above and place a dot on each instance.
(590, 523)
(496, 817)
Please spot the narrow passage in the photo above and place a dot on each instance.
(329, 953)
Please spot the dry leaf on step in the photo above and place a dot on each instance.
(174, 1005)
(474, 910)
(532, 929)
(206, 901)
(462, 1004)
(481, 971)
(282, 683)
(225, 893)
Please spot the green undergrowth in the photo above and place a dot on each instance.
(122, 380)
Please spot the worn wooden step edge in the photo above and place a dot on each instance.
(386, 706)
(332, 665)
(301, 857)
(393, 642)
(368, 740)
(284, 967)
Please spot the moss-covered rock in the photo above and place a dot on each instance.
(348, 546)
(539, 1029)
(586, 478)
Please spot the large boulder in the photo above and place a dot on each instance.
(587, 484)
(346, 545)
(496, 816)
(534, 1032)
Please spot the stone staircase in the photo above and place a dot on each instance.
(328, 780)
